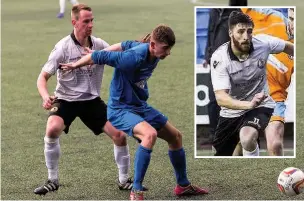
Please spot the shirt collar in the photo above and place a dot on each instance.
(77, 43)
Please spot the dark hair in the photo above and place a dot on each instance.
(237, 17)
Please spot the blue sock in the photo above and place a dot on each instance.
(178, 160)
(141, 163)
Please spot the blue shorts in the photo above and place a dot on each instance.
(279, 112)
(126, 119)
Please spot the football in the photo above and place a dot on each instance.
(290, 181)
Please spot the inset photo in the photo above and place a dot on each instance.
(245, 82)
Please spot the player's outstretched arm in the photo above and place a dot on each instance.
(289, 48)
(86, 60)
(225, 100)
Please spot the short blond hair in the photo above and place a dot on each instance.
(77, 8)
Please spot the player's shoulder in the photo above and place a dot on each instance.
(64, 41)
(263, 40)
(220, 57)
(221, 52)
(99, 43)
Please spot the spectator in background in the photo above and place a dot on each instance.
(62, 7)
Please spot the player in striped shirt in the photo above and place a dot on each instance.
(77, 94)
(239, 80)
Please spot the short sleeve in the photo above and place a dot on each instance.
(276, 45)
(56, 57)
(101, 44)
(219, 73)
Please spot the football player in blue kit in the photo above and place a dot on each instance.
(128, 110)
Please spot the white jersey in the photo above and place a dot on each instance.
(244, 79)
(77, 85)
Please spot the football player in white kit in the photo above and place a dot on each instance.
(77, 94)
(238, 71)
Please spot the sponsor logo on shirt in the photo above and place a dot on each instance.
(261, 63)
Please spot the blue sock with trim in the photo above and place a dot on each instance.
(178, 160)
(141, 163)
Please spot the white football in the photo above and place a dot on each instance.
(291, 181)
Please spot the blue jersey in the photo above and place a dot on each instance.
(129, 87)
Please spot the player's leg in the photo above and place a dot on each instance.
(60, 117)
(274, 132)
(62, 9)
(94, 116)
(238, 151)
(249, 141)
(255, 122)
(147, 136)
(121, 155)
(226, 135)
(74, 2)
(178, 159)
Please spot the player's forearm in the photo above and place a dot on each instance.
(289, 48)
(225, 100)
(42, 86)
(86, 60)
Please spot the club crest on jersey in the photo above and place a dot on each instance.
(215, 63)
(261, 63)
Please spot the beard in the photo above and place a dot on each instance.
(241, 47)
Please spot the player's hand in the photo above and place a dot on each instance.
(87, 51)
(257, 99)
(205, 63)
(67, 66)
(48, 101)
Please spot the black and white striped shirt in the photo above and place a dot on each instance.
(246, 78)
(83, 83)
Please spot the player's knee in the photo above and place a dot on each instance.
(276, 146)
(150, 136)
(248, 138)
(119, 138)
(177, 137)
(54, 129)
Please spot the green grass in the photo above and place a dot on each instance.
(87, 168)
(263, 152)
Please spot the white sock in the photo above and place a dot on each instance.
(122, 158)
(52, 153)
(62, 6)
(255, 152)
(74, 2)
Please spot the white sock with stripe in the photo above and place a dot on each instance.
(52, 154)
(122, 158)
(255, 152)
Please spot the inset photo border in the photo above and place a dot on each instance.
(235, 116)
